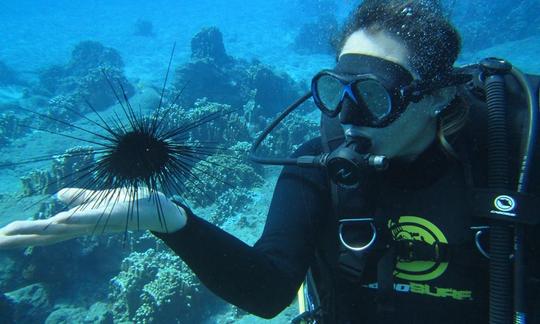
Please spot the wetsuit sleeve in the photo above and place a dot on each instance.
(261, 279)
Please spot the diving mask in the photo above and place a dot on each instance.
(380, 90)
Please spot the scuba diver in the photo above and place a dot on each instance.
(414, 205)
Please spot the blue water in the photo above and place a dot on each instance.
(35, 35)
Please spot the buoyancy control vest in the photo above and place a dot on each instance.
(370, 242)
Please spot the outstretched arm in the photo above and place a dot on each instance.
(262, 279)
(91, 213)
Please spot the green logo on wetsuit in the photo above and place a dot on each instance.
(412, 228)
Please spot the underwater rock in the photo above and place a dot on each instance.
(317, 37)
(10, 270)
(31, 304)
(89, 55)
(84, 77)
(273, 91)
(98, 313)
(233, 83)
(157, 287)
(6, 309)
(66, 315)
(143, 28)
(204, 79)
(207, 44)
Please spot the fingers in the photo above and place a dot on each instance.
(154, 212)
(19, 241)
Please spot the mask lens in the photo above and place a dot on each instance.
(375, 97)
(329, 90)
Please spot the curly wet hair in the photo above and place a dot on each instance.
(433, 42)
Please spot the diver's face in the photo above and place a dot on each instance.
(415, 129)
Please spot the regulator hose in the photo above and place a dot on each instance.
(501, 235)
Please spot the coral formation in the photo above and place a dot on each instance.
(67, 170)
(208, 45)
(10, 127)
(219, 173)
(157, 287)
(60, 107)
(84, 77)
(287, 137)
(220, 78)
(225, 130)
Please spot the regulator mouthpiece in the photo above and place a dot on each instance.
(348, 164)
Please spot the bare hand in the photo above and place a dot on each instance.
(108, 211)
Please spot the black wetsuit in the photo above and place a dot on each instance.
(425, 201)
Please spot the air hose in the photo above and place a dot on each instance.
(501, 234)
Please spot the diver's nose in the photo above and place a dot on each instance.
(350, 113)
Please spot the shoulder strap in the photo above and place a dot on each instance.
(331, 133)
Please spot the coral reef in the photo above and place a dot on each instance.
(317, 37)
(84, 77)
(220, 78)
(67, 170)
(84, 259)
(157, 287)
(230, 174)
(61, 107)
(225, 130)
(11, 127)
(143, 28)
(287, 137)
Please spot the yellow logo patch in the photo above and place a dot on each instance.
(412, 228)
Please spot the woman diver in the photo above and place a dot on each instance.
(393, 242)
